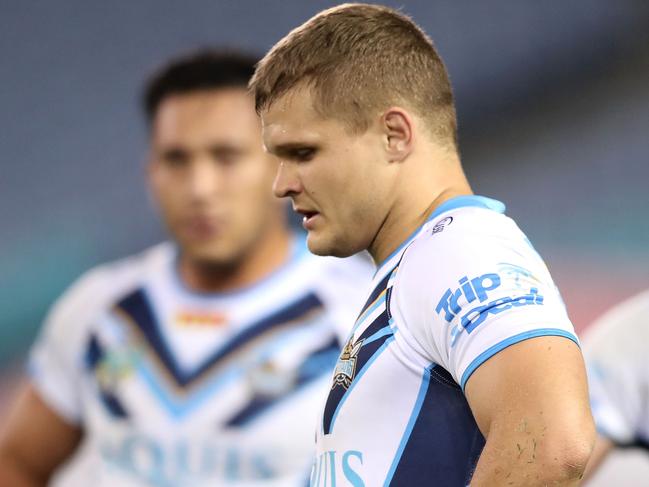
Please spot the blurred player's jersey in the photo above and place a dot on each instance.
(616, 348)
(175, 388)
(465, 286)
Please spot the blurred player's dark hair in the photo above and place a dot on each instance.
(205, 69)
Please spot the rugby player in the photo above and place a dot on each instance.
(203, 361)
(463, 366)
(615, 347)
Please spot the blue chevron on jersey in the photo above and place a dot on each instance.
(174, 387)
(359, 352)
(137, 311)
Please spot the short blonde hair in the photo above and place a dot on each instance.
(361, 59)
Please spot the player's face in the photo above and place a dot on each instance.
(339, 181)
(210, 174)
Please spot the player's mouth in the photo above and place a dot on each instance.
(202, 227)
(309, 218)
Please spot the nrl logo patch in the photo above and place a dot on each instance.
(346, 365)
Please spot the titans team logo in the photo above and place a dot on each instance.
(346, 365)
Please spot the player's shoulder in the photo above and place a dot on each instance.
(104, 284)
(622, 328)
(475, 233)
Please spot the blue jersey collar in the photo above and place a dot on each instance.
(450, 204)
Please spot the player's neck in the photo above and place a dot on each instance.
(271, 253)
(420, 195)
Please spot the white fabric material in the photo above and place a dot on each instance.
(615, 347)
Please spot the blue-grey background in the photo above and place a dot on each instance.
(553, 103)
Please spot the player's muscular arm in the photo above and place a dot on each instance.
(33, 442)
(531, 403)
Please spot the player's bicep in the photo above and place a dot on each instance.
(35, 440)
(530, 400)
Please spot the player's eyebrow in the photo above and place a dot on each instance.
(289, 149)
(226, 148)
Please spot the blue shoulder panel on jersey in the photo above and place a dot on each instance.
(442, 443)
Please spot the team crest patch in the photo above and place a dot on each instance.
(346, 365)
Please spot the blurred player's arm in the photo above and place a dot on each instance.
(34, 441)
(531, 403)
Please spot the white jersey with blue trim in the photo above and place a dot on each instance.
(465, 286)
(615, 348)
(175, 389)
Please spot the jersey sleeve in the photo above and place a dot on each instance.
(55, 360)
(474, 290)
(616, 358)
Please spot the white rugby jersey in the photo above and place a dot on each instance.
(175, 388)
(466, 285)
(616, 348)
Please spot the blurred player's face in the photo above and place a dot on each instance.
(210, 175)
(340, 182)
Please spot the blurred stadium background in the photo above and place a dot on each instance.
(553, 102)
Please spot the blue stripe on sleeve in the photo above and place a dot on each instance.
(494, 349)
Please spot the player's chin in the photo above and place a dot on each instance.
(211, 254)
(326, 245)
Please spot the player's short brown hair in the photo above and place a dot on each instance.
(358, 60)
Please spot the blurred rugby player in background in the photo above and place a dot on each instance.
(197, 362)
(616, 350)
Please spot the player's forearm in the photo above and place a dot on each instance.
(532, 462)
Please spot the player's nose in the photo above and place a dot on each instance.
(204, 180)
(287, 182)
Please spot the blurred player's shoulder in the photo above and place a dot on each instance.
(336, 268)
(623, 328)
(342, 283)
(102, 285)
(615, 348)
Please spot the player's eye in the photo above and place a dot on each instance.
(175, 158)
(226, 157)
(303, 154)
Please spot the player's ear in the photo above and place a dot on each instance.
(398, 128)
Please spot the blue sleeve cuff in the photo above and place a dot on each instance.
(494, 349)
